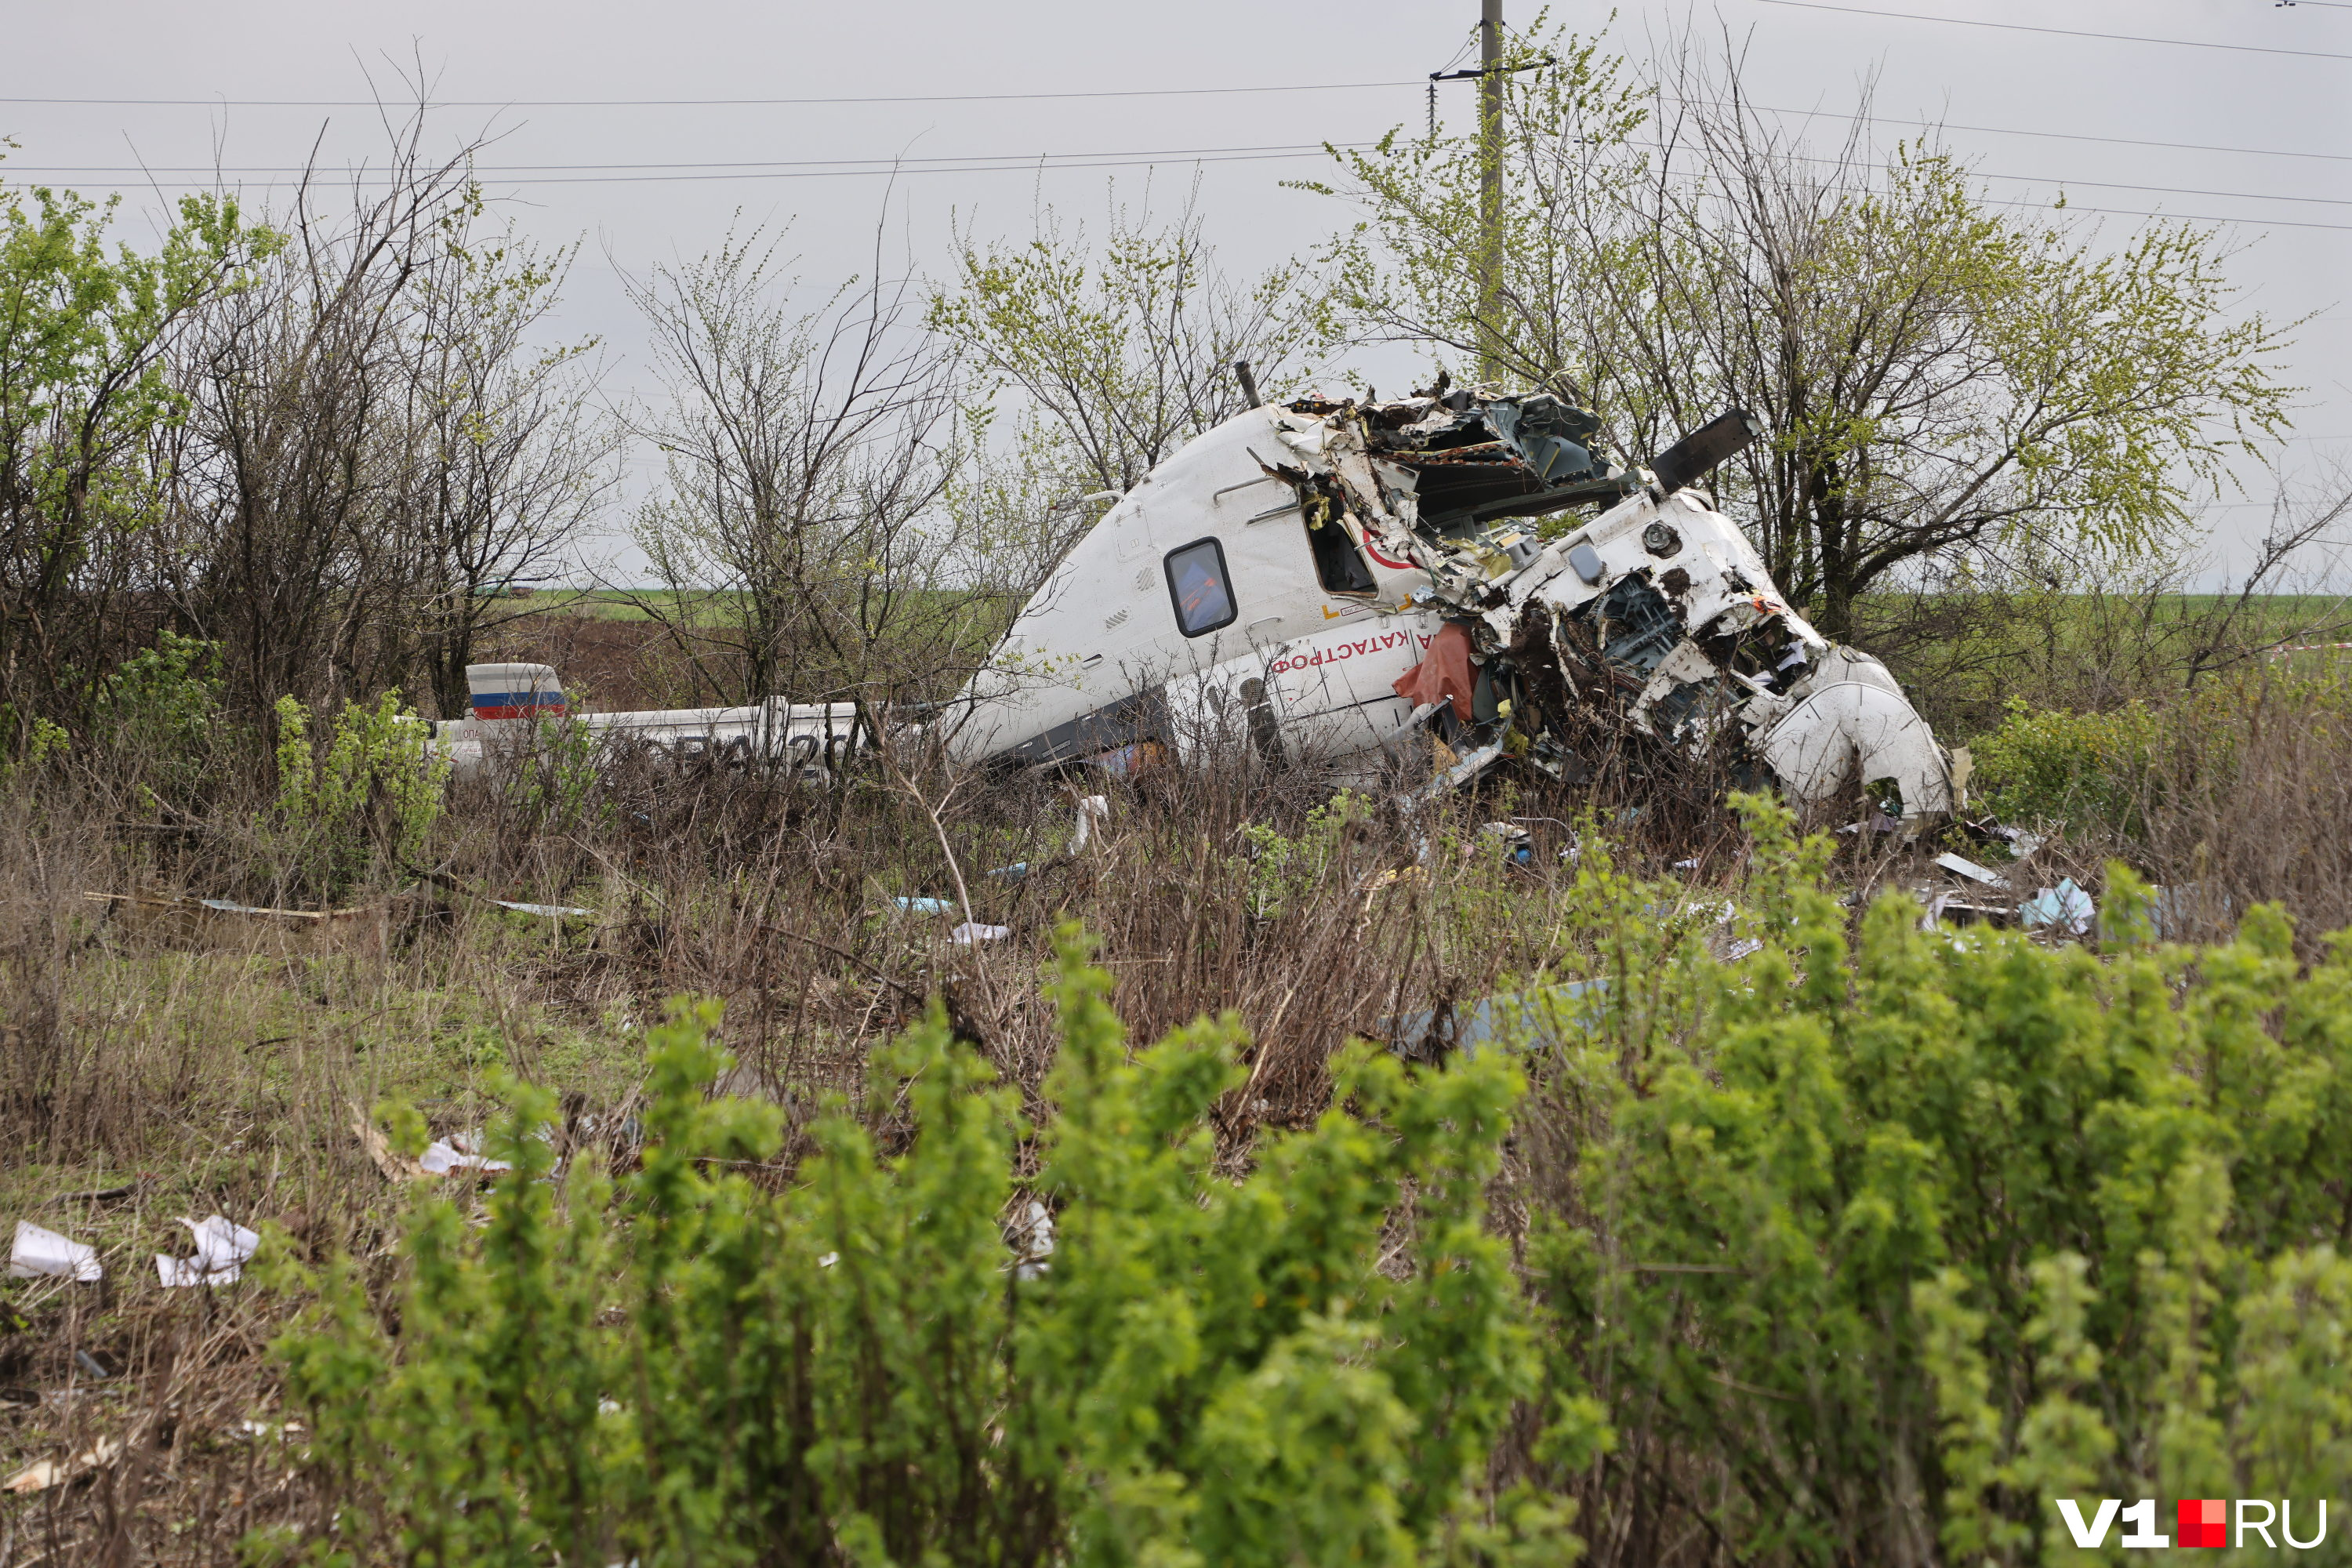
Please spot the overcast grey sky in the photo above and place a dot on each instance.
(2097, 107)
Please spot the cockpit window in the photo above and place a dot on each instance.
(1340, 563)
(1197, 582)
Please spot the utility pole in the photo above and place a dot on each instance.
(1490, 74)
(1490, 188)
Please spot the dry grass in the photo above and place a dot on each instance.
(173, 1060)
(162, 1061)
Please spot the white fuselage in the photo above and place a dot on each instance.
(1105, 628)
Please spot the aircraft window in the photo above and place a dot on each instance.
(1338, 564)
(1198, 584)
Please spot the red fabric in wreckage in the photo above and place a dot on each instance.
(1443, 673)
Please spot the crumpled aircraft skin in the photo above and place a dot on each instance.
(1349, 538)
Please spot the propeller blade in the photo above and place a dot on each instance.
(1694, 456)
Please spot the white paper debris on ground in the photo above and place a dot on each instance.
(1962, 866)
(1092, 808)
(47, 1473)
(2062, 908)
(1033, 1241)
(1741, 949)
(456, 1152)
(39, 1254)
(222, 1248)
(970, 931)
(555, 911)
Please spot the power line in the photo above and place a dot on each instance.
(2063, 181)
(692, 102)
(1053, 162)
(967, 163)
(2166, 190)
(2055, 32)
(2078, 136)
(757, 163)
(1149, 92)
(2177, 217)
(2105, 185)
(327, 178)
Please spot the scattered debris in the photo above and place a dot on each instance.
(1031, 1238)
(2064, 908)
(459, 1151)
(1743, 948)
(1011, 873)
(1518, 844)
(395, 1166)
(1092, 809)
(2172, 912)
(39, 1254)
(1484, 1022)
(1463, 771)
(969, 933)
(230, 907)
(1967, 867)
(925, 906)
(48, 1473)
(511, 702)
(1965, 912)
(560, 912)
(222, 1248)
(89, 1363)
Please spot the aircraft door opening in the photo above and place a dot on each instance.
(1339, 563)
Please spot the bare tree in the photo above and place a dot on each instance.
(804, 451)
(504, 457)
(301, 389)
(378, 445)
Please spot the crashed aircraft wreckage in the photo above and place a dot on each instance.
(1322, 580)
(507, 702)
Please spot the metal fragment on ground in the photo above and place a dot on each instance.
(1962, 866)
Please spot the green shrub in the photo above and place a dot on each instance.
(1281, 870)
(1308, 1363)
(1897, 1238)
(2046, 766)
(365, 805)
(160, 719)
